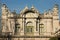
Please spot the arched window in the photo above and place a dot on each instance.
(29, 23)
(29, 27)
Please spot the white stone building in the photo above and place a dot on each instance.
(30, 22)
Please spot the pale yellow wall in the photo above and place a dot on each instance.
(50, 21)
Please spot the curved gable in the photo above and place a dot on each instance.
(30, 13)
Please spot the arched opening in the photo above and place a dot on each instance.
(29, 28)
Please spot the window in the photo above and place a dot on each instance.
(17, 27)
(41, 29)
(29, 27)
(37, 25)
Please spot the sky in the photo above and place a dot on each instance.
(40, 5)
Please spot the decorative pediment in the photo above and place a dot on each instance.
(26, 10)
(29, 12)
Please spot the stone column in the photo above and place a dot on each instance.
(22, 32)
(38, 21)
(35, 31)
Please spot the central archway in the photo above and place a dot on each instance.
(29, 28)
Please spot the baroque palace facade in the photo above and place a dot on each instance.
(30, 22)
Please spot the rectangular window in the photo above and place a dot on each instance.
(36, 26)
(29, 29)
(41, 29)
(17, 27)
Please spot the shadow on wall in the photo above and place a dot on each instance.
(54, 39)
